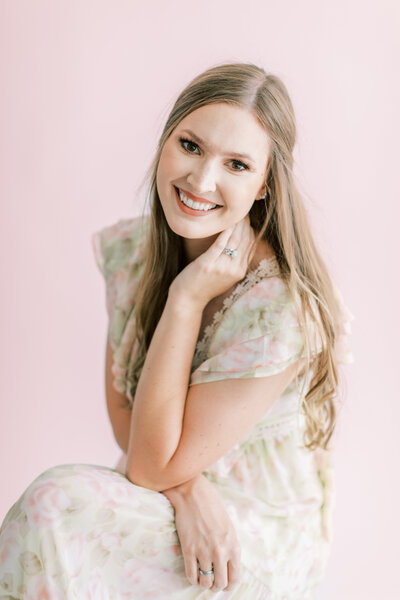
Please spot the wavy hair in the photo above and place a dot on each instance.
(281, 220)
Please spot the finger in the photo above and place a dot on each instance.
(220, 574)
(214, 251)
(241, 240)
(233, 573)
(205, 581)
(239, 237)
(191, 569)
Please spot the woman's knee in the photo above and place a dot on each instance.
(70, 489)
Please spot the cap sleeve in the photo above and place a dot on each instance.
(118, 251)
(258, 336)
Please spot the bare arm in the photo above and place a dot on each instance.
(177, 432)
(120, 417)
(205, 531)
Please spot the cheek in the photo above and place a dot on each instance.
(165, 173)
(239, 196)
(171, 164)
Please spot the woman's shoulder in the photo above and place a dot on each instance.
(261, 304)
(119, 253)
(120, 244)
(267, 308)
(256, 334)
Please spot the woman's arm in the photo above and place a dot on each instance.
(160, 395)
(158, 410)
(177, 432)
(206, 533)
(120, 418)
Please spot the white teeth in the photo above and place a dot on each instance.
(195, 205)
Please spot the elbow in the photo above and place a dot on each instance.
(142, 480)
(157, 480)
(143, 476)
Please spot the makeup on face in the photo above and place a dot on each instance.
(211, 166)
(193, 205)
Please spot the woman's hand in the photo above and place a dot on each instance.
(206, 534)
(214, 272)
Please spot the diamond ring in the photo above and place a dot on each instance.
(231, 252)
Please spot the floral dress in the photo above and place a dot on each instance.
(86, 532)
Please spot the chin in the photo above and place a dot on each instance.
(191, 232)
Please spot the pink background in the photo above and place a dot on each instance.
(85, 89)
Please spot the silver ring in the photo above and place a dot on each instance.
(206, 572)
(231, 252)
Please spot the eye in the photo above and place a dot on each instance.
(191, 146)
(241, 164)
(189, 143)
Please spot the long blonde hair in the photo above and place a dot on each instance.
(281, 220)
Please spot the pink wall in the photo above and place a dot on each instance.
(85, 89)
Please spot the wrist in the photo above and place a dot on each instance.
(180, 492)
(185, 303)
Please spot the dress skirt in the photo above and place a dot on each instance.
(86, 532)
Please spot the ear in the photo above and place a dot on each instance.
(262, 193)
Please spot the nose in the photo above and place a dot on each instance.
(202, 177)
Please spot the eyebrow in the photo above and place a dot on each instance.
(198, 140)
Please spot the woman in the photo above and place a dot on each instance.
(221, 370)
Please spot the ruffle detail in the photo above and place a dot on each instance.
(118, 251)
(255, 334)
(267, 267)
(259, 336)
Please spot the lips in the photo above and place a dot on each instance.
(191, 211)
(196, 198)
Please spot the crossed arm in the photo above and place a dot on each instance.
(177, 431)
(205, 531)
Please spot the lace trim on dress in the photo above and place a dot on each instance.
(267, 267)
(275, 430)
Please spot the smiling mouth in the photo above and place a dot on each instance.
(194, 205)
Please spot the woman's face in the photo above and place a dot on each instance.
(216, 156)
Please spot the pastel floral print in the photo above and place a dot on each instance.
(85, 532)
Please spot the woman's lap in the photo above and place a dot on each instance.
(78, 527)
(85, 532)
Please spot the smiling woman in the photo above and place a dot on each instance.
(225, 334)
(209, 169)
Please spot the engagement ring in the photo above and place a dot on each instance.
(231, 252)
